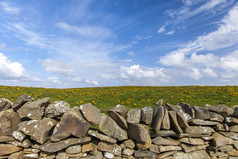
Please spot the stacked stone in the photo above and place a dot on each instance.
(45, 130)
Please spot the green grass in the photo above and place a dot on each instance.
(130, 96)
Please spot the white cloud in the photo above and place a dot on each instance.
(131, 53)
(137, 74)
(161, 29)
(58, 67)
(210, 72)
(9, 69)
(9, 8)
(170, 32)
(2, 46)
(92, 82)
(53, 80)
(87, 31)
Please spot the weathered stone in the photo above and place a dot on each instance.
(38, 129)
(108, 147)
(18, 135)
(182, 121)
(166, 121)
(57, 146)
(121, 121)
(221, 109)
(25, 143)
(6, 149)
(5, 104)
(203, 122)
(199, 130)
(145, 154)
(201, 113)
(128, 152)
(220, 127)
(109, 127)
(233, 153)
(146, 115)
(236, 144)
(144, 146)
(154, 148)
(163, 133)
(17, 155)
(192, 141)
(207, 138)
(31, 155)
(158, 118)
(129, 144)
(34, 110)
(101, 136)
(62, 155)
(120, 109)
(73, 149)
(87, 147)
(202, 154)
(166, 154)
(226, 148)
(72, 123)
(21, 101)
(216, 117)
(190, 148)
(31, 150)
(221, 140)
(174, 123)
(231, 120)
(157, 105)
(9, 121)
(108, 155)
(141, 134)
(178, 108)
(91, 113)
(165, 141)
(187, 109)
(169, 148)
(218, 154)
(6, 139)
(233, 128)
(133, 116)
(56, 109)
(231, 135)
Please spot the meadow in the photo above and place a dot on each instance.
(130, 96)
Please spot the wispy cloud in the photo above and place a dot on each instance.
(9, 8)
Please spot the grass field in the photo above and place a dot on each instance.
(130, 96)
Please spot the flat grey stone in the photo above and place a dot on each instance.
(133, 116)
(146, 115)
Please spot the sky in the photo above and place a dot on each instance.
(92, 43)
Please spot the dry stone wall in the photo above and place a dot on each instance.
(45, 130)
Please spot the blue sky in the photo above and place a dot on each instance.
(84, 43)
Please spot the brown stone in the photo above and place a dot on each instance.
(216, 117)
(199, 130)
(233, 153)
(201, 154)
(190, 148)
(128, 152)
(118, 119)
(201, 113)
(21, 101)
(141, 134)
(165, 141)
(221, 109)
(39, 130)
(226, 148)
(233, 128)
(144, 146)
(5, 104)
(163, 133)
(72, 123)
(87, 147)
(25, 143)
(6, 139)
(187, 109)
(129, 144)
(146, 115)
(203, 122)
(154, 148)
(166, 154)
(108, 147)
(91, 113)
(57, 146)
(6, 149)
(182, 121)
(9, 121)
(174, 123)
(166, 121)
(101, 136)
(145, 154)
(231, 135)
(56, 109)
(169, 148)
(120, 109)
(221, 140)
(192, 141)
(34, 110)
(133, 116)
(73, 149)
(158, 118)
(231, 120)
(109, 127)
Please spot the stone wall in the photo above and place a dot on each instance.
(45, 130)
